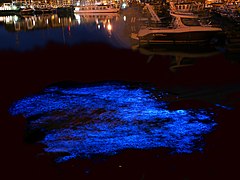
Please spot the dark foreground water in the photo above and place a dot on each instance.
(127, 115)
(93, 110)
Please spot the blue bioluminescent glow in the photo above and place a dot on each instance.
(110, 117)
(224, 107)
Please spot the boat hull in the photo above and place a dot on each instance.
(9, 12)
(27, 11)
(95, 9)
(178, 38)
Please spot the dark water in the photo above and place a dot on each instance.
(80, 100)
(30, 32)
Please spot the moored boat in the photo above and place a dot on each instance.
(43, 10)
(65, 10)
(185, 28)
(9, 9)
(27, 11)
(96, 9)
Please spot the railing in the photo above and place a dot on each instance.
(152, 12)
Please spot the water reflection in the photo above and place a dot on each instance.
(232, 44)
(29, 22)
(71, 29)
(106, 118)
(28, 32)
(182, 56)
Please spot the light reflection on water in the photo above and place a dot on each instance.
(109, 117)
(34, 31)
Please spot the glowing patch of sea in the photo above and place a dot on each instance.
(108, 118)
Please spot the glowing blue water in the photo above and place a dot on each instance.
(107, 118)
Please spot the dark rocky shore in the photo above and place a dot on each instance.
(214, 79)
